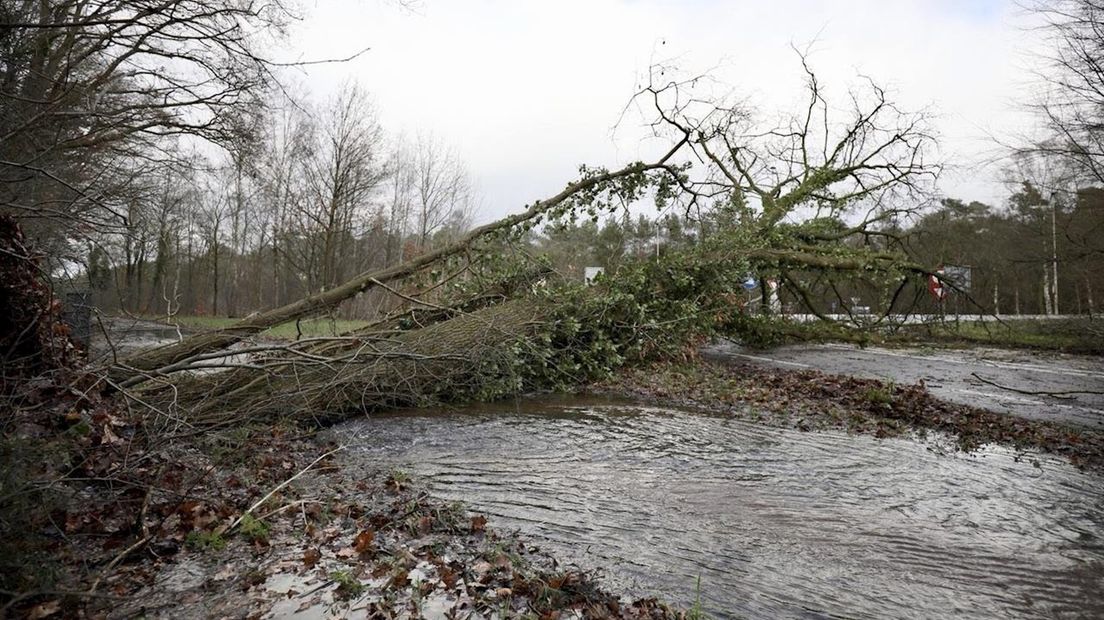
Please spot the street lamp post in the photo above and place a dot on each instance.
(1054, 251)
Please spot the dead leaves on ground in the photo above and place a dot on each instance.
(811, 400)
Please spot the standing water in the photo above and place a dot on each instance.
(774, 522)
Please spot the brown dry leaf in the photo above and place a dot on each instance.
(503, 561)
(44, 610)
(478, 523)
(425, 525)
(363, 541)
(448, 577)
(311, 556)
(109, 438)
(482, 568)
(399, 579)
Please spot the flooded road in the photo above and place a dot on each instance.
(1056, 387)
(776, 523)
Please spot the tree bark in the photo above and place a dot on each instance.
(440, 363)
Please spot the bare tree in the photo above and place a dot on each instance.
(88, 87)
(838, 169)
(345, 171)
(442, 187)
(288, 143)
(400, 199)
(818, 163)
(1072, 105)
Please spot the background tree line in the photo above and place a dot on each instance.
(173, 173)
(305, 197)
(1011, 249)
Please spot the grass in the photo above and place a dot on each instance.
(879, 395)
(1073, 335)
(254, 529)
(696, 612)
(307, 328)
(1079, 335)
(205, 541)
(348, 586)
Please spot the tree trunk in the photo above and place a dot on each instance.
(1089, 295)
(443, 362)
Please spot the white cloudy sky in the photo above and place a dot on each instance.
(529, 90)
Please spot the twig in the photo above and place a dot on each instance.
(282, 485)
(1065, 395)
(17, 597)
(300, 502)
(119, 558)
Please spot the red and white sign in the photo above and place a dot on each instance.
(935, 285)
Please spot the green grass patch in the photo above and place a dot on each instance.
(313, 328)
(254, 529)
(205, 541)
(1079, 335)
(1074, 335)
(348, 586)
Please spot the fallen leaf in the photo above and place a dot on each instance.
(425, 525)
(363, 541)
(478, 523)
(44, 610)
(400, 579)
(448, 577)
(109, 438)
(311, 556)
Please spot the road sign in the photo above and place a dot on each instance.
(958, 276)
(949, 278)
(935, 285)
(750, 282)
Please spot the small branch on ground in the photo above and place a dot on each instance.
(1063, 394)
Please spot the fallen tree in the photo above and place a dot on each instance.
(479, 319)
(626, 181)
(779, 199)
(550, 337)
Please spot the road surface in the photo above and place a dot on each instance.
(1068, 389)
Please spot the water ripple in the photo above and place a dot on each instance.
(776, 523)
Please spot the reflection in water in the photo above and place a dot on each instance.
(775, 522)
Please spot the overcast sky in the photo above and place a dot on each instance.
(527, 91)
